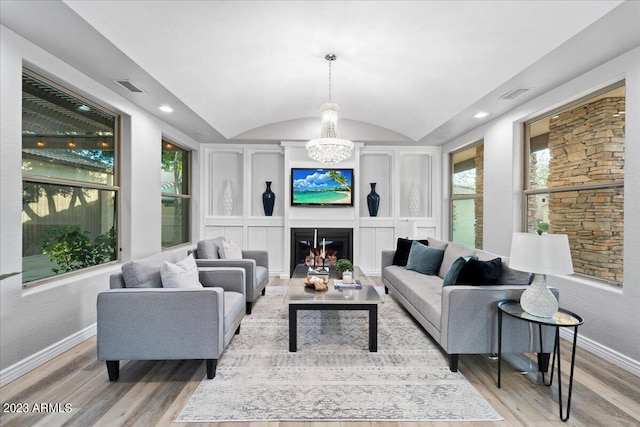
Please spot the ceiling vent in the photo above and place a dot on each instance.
(515, 93)
(130, 86)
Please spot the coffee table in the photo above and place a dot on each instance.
(300, 298)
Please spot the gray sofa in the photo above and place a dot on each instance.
(255, 263)
(156, 323)
(463, 319)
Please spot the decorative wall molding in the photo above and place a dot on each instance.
(608, 354)
(43, 356)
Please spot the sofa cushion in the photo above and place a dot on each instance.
(452, 253)
(423, 291)
(208, 248)
(452, 275)
(183, 274)
(229, 250)
(424, 259)
(233, 305)
(477, 272)
(438, 244)
(262, 274)
(403, 247)
(145, 273)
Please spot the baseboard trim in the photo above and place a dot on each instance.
(608, 354)
(27, 365)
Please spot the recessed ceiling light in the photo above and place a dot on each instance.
(166, 109)
(481, 114)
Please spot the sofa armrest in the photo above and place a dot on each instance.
(248, 265)
(132, 324)
(260, 257)
(228, 278)
(469, 322)
(387, 260)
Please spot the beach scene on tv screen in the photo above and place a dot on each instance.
(322, 186)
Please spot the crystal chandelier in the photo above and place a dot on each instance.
(329, 148)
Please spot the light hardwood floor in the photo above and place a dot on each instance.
(152, 393)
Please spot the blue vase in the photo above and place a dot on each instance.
(373, 200)
(268, 200)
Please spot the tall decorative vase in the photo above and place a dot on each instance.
(414, 200)
(373, 200)
(227, 199)
(268, 199)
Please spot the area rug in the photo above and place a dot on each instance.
(333, 376)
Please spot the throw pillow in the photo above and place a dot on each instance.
(208, 249)
(453, 272)
(477, 272)
(183, 274)
(424, 259)
(230, 250)
(403, 247)
(144, 273)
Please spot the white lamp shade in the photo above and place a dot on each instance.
(408, 229)
(541, 254)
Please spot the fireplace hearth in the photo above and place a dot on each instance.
(338, 244)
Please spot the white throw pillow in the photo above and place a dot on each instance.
(230, 250)
(183, 274)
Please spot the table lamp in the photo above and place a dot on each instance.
(408, 229)
(540, 254)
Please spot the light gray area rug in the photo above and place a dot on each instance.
(333, 376)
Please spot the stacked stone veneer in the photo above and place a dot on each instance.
(478, 204)
(587, 147)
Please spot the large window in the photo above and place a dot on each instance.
(467, 167)
(575, 180)
(69, 180)
(176, 196)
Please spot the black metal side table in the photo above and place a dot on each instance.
(562, 319)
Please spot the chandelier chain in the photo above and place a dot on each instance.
(330, 61)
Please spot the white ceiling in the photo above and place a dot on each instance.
(406, 71)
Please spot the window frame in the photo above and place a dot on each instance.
(183, 196)
(453, 197)
(115, 187)
(528, 191)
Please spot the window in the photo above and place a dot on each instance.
(176, 196)
(575, 180)
(467, 168)
(69, 180)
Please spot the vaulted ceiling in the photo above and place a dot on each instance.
(406, 72)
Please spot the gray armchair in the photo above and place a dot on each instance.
(255, 263)
(170, 323)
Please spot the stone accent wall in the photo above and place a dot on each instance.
(479, 209)
(587, 147)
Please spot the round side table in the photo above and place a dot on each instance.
(562, 319)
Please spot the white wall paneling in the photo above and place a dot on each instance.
(373, 240)
(376, 167)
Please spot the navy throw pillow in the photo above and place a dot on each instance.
(403, 248)
(424, 259)
(477, 272)
(452, 275)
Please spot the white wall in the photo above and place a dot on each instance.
(612, 316)
(38, 322)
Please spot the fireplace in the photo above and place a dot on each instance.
(338, 244)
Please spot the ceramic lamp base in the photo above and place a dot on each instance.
(538, 300)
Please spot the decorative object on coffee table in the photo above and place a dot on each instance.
(373, 200)
(540, 254)
(343, 265)
(227, 199)
(319, 283)
(268, 200)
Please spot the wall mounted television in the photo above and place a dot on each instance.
(321, 187)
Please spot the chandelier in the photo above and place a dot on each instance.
(329, 148)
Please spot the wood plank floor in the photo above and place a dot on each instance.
(152, 393)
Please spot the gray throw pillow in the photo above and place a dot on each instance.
(424, 259)
(139, 274)
(452, 275)
(208, 249)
